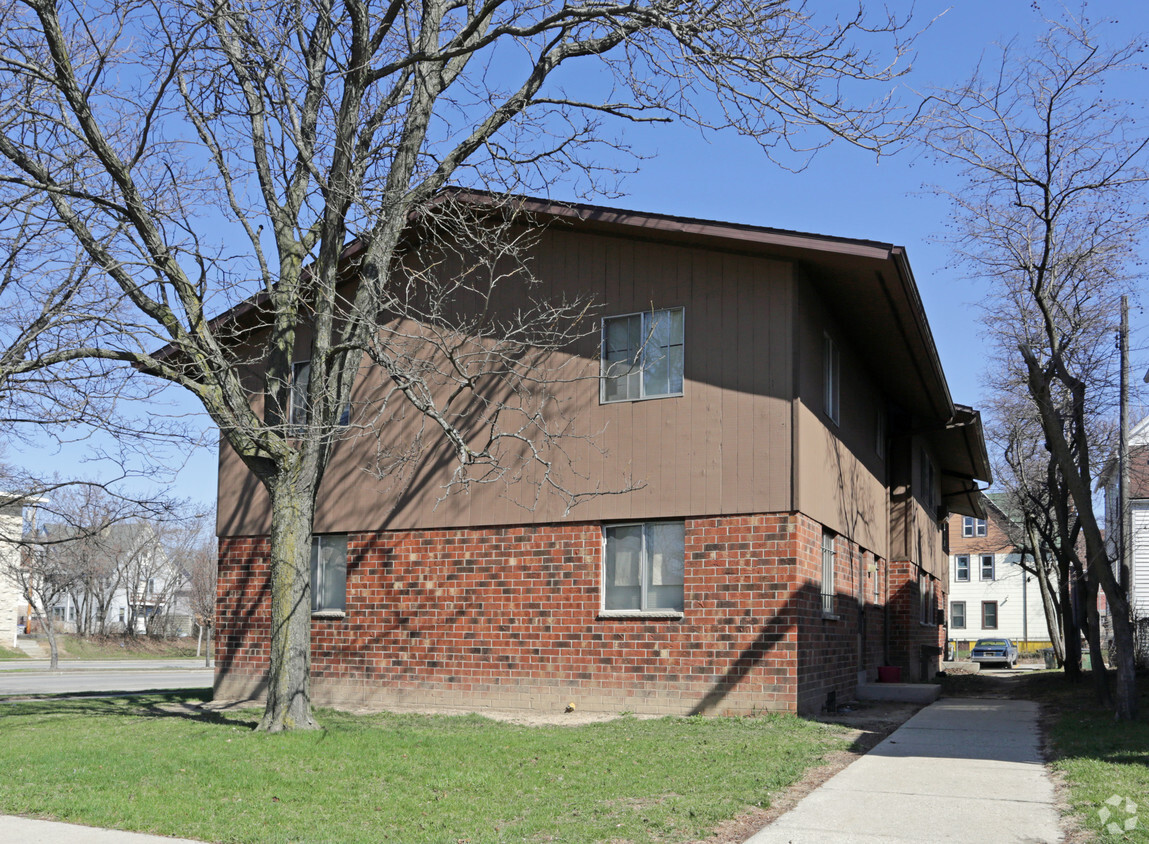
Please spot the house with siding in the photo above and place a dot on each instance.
(1138, 524)
(778, 399)
(991, 592)
(13, 606)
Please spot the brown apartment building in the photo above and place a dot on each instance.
(796, 451)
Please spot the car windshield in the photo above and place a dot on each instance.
(990, 643)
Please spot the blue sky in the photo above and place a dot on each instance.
(843, 192)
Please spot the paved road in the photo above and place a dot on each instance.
(103, 676)
(101, 664)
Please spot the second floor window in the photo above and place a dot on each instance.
(299, 412)
(972, 527)
(831, 378)
(300, 377)
(987, 567)
(927, 481)
(642, 355)
(961, 567)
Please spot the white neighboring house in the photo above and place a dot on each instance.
(1139, 517)
(13, 607)
(990, 594)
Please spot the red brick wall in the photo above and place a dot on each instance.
(911, 642)
(509, 617)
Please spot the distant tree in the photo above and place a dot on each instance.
(203, 576)
(1050, 209)
(172, 159)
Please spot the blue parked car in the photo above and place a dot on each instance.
(994, 650)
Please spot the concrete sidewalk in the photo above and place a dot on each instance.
(28, 831)
(961, 770)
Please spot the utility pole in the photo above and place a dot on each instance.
(1123, 455)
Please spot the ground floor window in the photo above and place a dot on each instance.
(828, 552)
(957, 615)
(329, 573)
(989, 615)
(926, 593)
(644, 567)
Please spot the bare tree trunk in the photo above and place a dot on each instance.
(1048, 605)
(45, 620)
(1052, 622)
(289, 674)
(1093, 633)
(1099, 565)
(207, 650)
(1069, 626)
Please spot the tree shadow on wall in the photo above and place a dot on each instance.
(796, 637)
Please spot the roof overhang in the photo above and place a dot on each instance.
(868, 286)
(960, 449)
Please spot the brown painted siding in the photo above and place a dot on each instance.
(721, 448)
(841, 477)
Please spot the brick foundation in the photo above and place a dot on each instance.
(509, 618)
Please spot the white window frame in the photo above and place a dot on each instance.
(829, 554)
(972, 526)
(643, 609)
(985, 625)
(958, 560)
(957, 619)
(319, 572)
(643, 358)
(831, 379)
(981, 566)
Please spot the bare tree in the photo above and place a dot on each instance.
(1051, 208)
(202, 594)
(194, 154)
(1045, 522)
(45, 576)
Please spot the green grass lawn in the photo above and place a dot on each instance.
(1100, 758)
(114, 647)
(132, 763)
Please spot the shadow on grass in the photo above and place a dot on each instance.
(167, 703)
